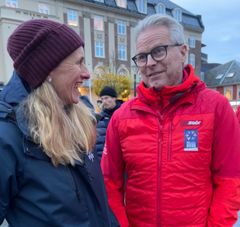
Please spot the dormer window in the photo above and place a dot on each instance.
(142, 6)
(160, 8)
(12, 3)
(230, 75)
(177, 14)
(219, 76)
(121, 3)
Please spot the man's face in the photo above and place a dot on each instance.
(167, 72)
(108, 102)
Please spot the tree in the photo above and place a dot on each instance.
(121, 83)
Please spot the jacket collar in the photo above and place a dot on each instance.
(170, 94)
(14, 93)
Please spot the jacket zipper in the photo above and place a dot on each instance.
(170, 141)
(160, 121)
(76, 189)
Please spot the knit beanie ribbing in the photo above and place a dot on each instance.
(38, 46)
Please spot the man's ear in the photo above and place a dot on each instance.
(184, 52)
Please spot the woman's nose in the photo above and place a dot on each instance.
(85, 73)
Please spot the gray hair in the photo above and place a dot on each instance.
(176, 29)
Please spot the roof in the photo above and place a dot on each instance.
(223, 75)
(189, 20)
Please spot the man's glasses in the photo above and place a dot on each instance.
(157, 53)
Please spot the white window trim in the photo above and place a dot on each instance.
(121, 27)
(121, 3)
(73, 21)
(162, 7)
(123, 50)
(43, 8)
(177, 14)
(142, 6)
(192, 59)
(192, 42)
(99, 47)
(100, 20)
(11, 3)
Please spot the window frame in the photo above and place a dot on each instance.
(99, 49)
(43, 6)
(72, 17)
(11, 3)
(160, 8)
(97, 23)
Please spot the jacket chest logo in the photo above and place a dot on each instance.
(190, 140)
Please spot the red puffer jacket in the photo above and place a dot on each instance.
(180, 149)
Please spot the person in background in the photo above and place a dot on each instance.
(110, 103)
(177, 141)
(50, 174)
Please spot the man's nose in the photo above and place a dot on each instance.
(150, 60)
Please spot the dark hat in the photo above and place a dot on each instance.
(38, 46)
(108, 91)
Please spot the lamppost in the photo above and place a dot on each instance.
(134, 71)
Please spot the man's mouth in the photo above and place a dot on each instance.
(155, 74)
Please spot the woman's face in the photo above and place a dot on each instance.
(69, 75)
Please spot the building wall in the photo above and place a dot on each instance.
(28, 9)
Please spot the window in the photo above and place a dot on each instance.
(72, 17)
(228, 92)
(12, 3)
(122, 3)
(99, 49)
(160, 8)
(177, 14)
(192, 42)
(238, 92)
(192, 59)
(43, 8)
(142, 6)
(98, 23)
(229, 75)
(121, 28)
(122, 52)
(219, 76)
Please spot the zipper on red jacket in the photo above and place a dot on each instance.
(170, 140)
(160, 121)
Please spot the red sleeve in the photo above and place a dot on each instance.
(113, 171)
(225, 168)
(238, 114)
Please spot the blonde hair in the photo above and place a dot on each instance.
(64, 132)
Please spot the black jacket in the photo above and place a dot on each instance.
(35, 193)
(106, 115)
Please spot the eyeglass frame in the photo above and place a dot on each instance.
(151, 52)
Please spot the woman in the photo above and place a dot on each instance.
(49, 174)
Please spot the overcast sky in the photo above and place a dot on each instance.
(221, 20)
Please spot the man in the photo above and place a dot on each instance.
(178, 141)
(109, 104)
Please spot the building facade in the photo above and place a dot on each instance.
(225, 79)
(107, 27)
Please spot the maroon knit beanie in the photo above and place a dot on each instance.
(38, 46)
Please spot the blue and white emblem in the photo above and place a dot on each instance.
(91, 157)
(190, 140)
